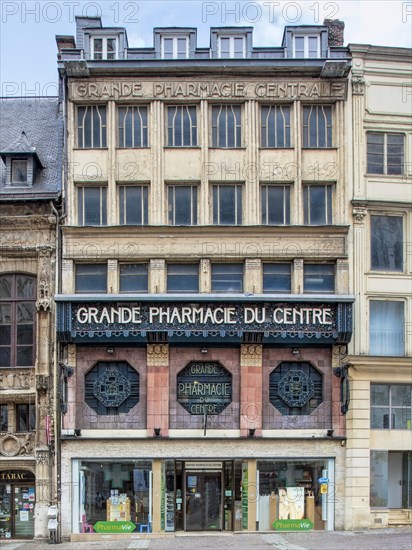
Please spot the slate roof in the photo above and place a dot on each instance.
(40, 118)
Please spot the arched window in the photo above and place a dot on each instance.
(17, 320)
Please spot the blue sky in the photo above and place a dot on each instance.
(28, 28)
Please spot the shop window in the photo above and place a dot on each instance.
(317, 126)
(175, 47)
(295, 388)
(104, 47)
(306, 46)
(25, 417)
(133, 204)
(227, 277)
(317, 204)
(19, 171)
(318, 278)
(275, 204)
(385, 153)
(275, 125)
(386, 243)
(226, 126)
(231, 47)
(386, 328)
(91, 278)
(91, 126)
(111, 388)
(182, 278)
(227, 204)
(17, 320)
(391, 407)
(92, 205)
(182, 204)
(4, 418)
(277, 277)
(132, 126)
(181, 126)
(133, 277)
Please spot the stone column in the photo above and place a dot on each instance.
(157, 495)
(158, 389)
(250, 389)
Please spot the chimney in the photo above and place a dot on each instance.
(335, 31)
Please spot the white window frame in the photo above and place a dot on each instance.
(306, 45)
(175, 39)
(231, 38)
(104, 40)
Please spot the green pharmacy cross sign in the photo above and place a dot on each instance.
(292, 525)
(114, 527)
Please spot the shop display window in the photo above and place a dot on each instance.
(115, 491)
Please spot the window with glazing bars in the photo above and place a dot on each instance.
(91, 126)
(231, 47)
(317, 204)
(182, 204)
(133, 205)
(91, 204)
(227, 204)
(317, 126)
(132, 126)
(175, 47)
(104, 48)
(385, 153)
(226, 126)
(275, 126)
(275, 204)
(181, 126)
(133, 277)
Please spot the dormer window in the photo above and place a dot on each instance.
(104, 47)
(306, 46)
(175, 47)
(232, 47)
(19, 171)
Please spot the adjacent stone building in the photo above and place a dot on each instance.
(30, 187)
(205, 302)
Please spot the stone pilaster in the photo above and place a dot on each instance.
(250, 389)
(158, 388)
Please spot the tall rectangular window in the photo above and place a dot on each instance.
(317, 204)
(132, 126)
(91, 126)
(91, 278)
(318, 278)
(133, 278)
(175, 47)
(226, 126)
(182, 204)
(231, 47)
(386, 243)
(275, 204)
(183, 278)
(385, 153)
(181, 126)
(227, 277)
(25, 417)
(275, 125)
(386, 328)
(227, 204)
(91, 205)
(4, 418)
(391, 407)
(133, 205)
(277, 277)
(317, 126)
(17, 320)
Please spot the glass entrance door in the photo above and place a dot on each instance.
(204, 501)
(17, 511)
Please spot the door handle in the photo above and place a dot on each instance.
(400, 482)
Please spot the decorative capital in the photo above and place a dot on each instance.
(251, 355)
(358, 85)
(359, 214)
(157, 355)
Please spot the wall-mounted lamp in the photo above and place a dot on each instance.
(203, 350)
(252, 432)
(329, 433)
(157, 432)
(109, 350)
(295, 351)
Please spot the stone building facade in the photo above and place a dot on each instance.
(379, 432)
(30, 189)
(205, 308)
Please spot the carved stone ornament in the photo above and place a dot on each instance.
(251, 355)
(42, 456)
(42, 382)
(11, 445)
(15, 380)
(359, 214)
(157, 355)
(358, 85)
(43, 303)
